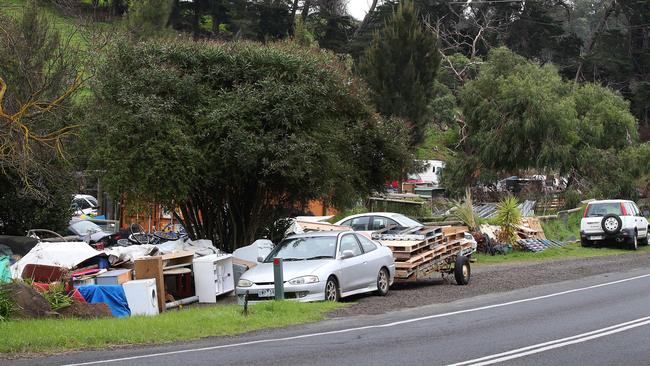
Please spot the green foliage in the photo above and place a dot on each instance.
(464, 211)
(56, 296)
(559, 229)
(438, 144)
(604, 118)
(38, 68)
(7, 305)
(147, 18)
(519, 115)
(507, 217)
(302, 35)
(20, 212)
(572, 198)
(400, 67)
(240, 132)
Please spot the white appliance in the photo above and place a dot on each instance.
(142, 296)
(213, 276)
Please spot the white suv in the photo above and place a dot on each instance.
(616, 220)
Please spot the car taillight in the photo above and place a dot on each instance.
(623, 210)
(586, 209)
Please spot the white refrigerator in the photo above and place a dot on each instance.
(142, 296)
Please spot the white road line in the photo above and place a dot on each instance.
(348, 330)
(563, 341)
(518, 353)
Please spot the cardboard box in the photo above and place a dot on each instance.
(114, 277)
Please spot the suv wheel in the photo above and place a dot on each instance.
(644, 241)
(633, 242)
(611, 224)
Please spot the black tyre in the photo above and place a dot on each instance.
(332, 290)
(644, 241)
(383, 282)
(611, 224)
(462, 270)
(633, 242)
(586, 243)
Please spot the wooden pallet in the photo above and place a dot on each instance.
(423, 250)
(436, 264)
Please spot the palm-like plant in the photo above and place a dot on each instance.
(464, 211)
(508, 216)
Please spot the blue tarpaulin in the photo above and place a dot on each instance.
(112, 295)
(5, 273)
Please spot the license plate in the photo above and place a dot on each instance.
(596, 237)
(266, 293)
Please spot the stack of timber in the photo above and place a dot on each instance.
(420, 251)
(530, 228)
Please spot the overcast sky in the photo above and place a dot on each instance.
(359, 8)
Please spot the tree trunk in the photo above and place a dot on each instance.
(294, 9)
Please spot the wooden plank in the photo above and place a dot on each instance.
(152, 267)
(454, 230)
(321, 226)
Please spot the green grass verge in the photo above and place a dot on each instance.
(559, 230)
(573, 250)
(55, 335)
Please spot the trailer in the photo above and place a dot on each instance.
(422, 251)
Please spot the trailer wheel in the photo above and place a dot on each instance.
(462, 271)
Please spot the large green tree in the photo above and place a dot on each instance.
(520, 115)
(400, 67)
(237, 135)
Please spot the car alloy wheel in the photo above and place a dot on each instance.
(382, 282)
(331, 292)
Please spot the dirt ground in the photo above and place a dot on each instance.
(490, 279)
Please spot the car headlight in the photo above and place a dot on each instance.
(244, 283)
(303, 280)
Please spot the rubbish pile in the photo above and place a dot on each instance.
(530, 233)
(143, 274)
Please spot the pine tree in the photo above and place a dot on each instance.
(400, 67)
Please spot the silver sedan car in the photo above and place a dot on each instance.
(322, 266)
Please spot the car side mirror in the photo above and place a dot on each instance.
(347, 254)
(260, 259)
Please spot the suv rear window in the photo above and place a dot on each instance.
(602, 209)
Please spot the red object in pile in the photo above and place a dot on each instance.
(42, 287)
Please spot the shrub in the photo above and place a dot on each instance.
(508, 216)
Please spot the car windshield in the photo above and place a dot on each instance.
(408, 221)
(304, 248)
(85, 227)
(602, 209)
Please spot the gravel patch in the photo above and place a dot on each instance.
(490, 279)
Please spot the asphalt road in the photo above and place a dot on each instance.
(598, 320)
